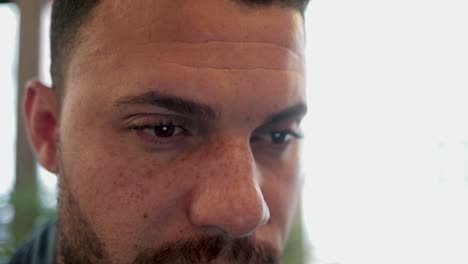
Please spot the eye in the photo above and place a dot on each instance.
(282, 137)
(164, 131)
(160, 131)
(277, 137)
(273, 143)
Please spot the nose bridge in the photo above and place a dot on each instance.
(228, 196)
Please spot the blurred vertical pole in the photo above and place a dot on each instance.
(25, 198)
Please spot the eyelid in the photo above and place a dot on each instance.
(141, 128)
(139, 120)
(267, 135)
(150, 129)
(292, 126)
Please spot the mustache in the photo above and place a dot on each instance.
(211, 249)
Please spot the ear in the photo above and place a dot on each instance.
(41, 116)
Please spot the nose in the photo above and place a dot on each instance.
(228, 198)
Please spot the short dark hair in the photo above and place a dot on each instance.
(69, 16)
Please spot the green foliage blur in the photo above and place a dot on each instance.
(15, 232)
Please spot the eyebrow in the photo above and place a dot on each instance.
(189, 107)
(297, 112)
(170, 102)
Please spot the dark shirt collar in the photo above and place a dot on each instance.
(40, 249)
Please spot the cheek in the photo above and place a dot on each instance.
(102, 184)
(126, 195)
(281, 189)
(115, 182)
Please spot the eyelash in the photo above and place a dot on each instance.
(160, 124)
(282, 134)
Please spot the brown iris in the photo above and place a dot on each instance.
(164, 130)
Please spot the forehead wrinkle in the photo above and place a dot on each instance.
(113, 49)
(85, 70)
(223, 55)
(201, 68)
(206, 21)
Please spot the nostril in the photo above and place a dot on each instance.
(214, 231)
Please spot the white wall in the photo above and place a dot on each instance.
(387, 149)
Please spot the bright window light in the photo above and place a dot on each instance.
(387, 148)
(9, 19)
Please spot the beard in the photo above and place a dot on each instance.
(78, 243)
(209, 249)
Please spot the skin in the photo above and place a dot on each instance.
(124, 191)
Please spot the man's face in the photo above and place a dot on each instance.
(178, 133)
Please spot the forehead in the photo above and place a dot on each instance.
(116, 24)
(190, 49)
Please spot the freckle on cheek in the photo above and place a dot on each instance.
(148, 174)
(145, 215)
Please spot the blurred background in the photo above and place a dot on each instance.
(386, 148)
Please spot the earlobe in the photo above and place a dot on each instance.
(41, 116)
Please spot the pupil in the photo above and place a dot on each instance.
(278, 137)
(164, 131)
